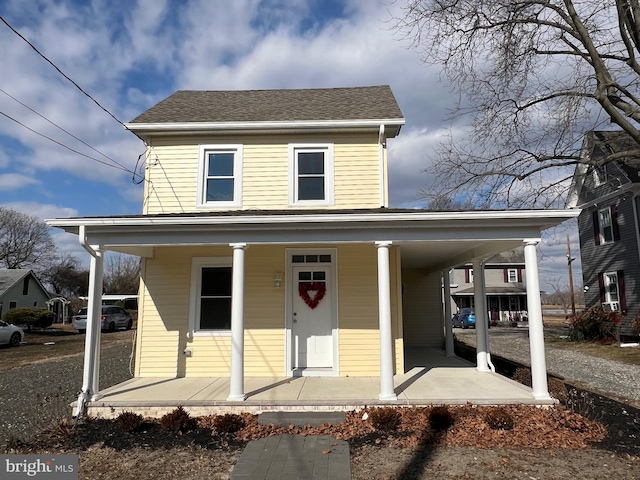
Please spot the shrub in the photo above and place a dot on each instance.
(636, 324)
(37, 317)
(228, 423)
(440, 418)
(385, 419)
(498, 419)
(177, 421)
(522, 375)
(557, 390)
(594, 324)
(129, 421)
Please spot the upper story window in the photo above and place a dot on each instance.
(468, 275)
(311, 174)
(605, 225)
(600, 175)
(512, 275)
(220, 176)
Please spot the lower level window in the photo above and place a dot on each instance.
(215, 298)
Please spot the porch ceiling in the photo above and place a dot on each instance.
(428, 240)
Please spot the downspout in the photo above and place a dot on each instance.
(89, 346)
(383, 177)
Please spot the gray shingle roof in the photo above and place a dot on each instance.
(8, 278)
(357, 103)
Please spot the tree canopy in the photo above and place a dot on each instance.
(24, 240)
(532, 78)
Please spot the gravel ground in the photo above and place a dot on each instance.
(605, 376)
(37, 396)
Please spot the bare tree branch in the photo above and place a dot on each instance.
(533, 76)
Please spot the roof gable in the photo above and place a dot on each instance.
(10, 277)
(322, 104)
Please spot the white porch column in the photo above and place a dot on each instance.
(448, 326)
(536, 332)
(236, 387)
(91, 367)
(387, 391)
(482, 333)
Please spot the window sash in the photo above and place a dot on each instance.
(311, 174)
(220, 177)
(512, 275)
(606, 225)
(611, 287)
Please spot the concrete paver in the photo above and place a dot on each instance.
(293, 457)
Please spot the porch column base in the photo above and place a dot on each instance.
(236, 398)
(387, 397)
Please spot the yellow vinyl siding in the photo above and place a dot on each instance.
(172, 171)
(422, 307)
(165, 303)
(359, 336)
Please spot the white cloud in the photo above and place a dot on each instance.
(41, 211)
(15, 181)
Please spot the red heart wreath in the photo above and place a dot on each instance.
(305, 288)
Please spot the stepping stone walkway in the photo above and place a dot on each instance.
(295, 457)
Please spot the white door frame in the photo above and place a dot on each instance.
(332, 280)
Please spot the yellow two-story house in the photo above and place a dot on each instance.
(268, 246)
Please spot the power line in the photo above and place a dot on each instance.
(60, 71)
(68, 78)
(63, 145)
(65, 131)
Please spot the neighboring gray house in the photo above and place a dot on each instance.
(608, 195)
(505, 286)
(20, 289)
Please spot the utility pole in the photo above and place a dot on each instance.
(571, 294)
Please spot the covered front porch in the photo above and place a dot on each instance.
(432, 378)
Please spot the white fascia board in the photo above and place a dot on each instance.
(530, 216)
(186, 127)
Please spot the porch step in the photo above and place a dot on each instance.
(300, 419)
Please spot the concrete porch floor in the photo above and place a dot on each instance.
(431, 378)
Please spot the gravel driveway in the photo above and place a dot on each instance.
(37, 396)
(607, 376)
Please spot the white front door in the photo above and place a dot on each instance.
(312, 310)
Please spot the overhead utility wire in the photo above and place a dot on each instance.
(65, 131)
(63, 145)
(60, 71)
(68, 78)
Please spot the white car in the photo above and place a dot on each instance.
(10, 334)
(112, 318)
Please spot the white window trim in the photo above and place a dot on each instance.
(236, 149)
(328, 174)
(515, 275)
(197, 264)
(607, 292)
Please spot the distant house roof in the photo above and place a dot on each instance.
(602, 144)
(9, 277)
(508, 290)
(264, 106)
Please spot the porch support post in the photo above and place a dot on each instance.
(387, 391)
(236, 387)
(479, 298)
(91, 367)
(536, 331)
(448, 326)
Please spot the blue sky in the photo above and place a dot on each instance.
(130, 54)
